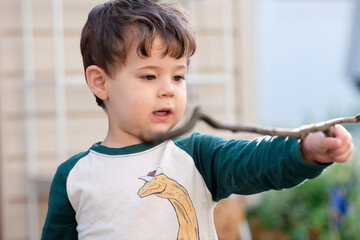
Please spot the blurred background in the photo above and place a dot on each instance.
(279, 63)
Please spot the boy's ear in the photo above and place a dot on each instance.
(96, 79)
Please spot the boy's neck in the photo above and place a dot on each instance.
(122, 140)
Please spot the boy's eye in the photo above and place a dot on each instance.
(148, 77)
(178, 78)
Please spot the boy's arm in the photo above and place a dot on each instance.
(248, 167)
(60, 221)
(316, 148)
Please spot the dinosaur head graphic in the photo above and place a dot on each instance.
(153, 185)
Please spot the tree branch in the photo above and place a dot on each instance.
(197, 115)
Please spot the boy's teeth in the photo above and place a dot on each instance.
(161, 112)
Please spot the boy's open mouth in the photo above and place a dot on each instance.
(162, 112)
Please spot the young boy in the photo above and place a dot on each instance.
(136, 56)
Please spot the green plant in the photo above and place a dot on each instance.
(304, 212)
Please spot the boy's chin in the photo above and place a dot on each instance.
(155, 130)
(160, 129)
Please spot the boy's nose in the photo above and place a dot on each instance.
(166, 90)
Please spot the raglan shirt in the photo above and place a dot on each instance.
(167, 190)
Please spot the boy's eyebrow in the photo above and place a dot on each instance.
(159, 67)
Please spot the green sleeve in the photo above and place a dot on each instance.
(248, 167)
(60, 221)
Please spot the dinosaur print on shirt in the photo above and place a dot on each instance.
(165, 187)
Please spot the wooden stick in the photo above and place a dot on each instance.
(300, 132)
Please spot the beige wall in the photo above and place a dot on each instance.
(1, 145)
(85, 122)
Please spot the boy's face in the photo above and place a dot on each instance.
(146, 94)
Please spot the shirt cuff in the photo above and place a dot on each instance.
(308, 170)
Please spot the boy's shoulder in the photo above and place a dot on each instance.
(197, 137)
(200, 143)
(204, 141)
(66, 166)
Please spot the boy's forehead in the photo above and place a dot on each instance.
(158, 44)
(158, 47)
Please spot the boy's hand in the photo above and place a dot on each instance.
(316, 148)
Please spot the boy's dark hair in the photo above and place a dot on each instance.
(112, 27)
